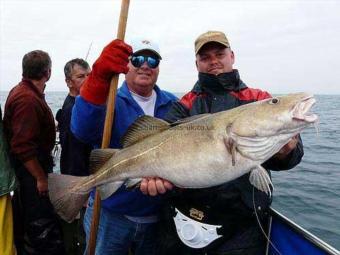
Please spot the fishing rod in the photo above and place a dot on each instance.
(108, 126)
(88, 51)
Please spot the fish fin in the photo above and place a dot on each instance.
(190, 119)
(132, 183)
(66, 199)
(108, 189)
(233, 153)
(261, 180)
(230, 144)
(99, 157)
(143, 127)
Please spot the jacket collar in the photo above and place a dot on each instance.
(28, 83)
(231, 82)
(124, 92)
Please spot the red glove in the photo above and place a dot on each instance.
(113, 60)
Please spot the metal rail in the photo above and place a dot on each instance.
(306, 234)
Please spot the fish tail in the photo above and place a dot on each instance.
(66, 195)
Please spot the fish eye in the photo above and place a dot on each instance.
(274, 100)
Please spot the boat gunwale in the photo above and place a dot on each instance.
(300, 230)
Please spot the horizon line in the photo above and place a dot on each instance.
(177, 92)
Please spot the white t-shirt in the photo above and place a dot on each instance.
(148, 106)
(146, 103)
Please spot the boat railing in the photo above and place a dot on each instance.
(310, 239)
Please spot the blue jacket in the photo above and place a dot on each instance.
(87, 123)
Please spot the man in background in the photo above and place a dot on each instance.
(30, 130)
(74, 158)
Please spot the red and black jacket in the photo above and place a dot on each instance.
(29, 127)
(232, 202)
(203, 99)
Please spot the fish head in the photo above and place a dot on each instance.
(275, 115)
(262, 128)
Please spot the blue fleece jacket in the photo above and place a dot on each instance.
(87, 125)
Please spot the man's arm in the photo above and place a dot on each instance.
(25, 131)
(33, 166)
(288, 157)
(87, 121)
(88, 113)
(177, 111)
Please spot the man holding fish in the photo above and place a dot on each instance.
(128, 218)
(229, 149)
(232, 204)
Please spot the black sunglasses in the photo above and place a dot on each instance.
(138, 61)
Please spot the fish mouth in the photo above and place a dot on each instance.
(301, 111)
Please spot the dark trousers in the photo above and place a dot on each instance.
(74, 235)
(37, 229)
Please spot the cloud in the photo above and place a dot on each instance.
(280, 46)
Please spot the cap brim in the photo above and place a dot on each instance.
(199, 47)
(153, 51)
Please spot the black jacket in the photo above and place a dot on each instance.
(74, 158)
(230, 204)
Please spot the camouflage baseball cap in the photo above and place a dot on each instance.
(211, 36)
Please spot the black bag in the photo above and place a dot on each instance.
(37, 229)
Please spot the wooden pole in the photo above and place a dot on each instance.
(110, 107)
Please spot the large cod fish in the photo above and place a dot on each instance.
(197, 152)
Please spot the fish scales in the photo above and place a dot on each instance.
(199, 152)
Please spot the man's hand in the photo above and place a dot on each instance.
(42, 186)
(34, 168)
(285, 150)
(154, 186)
(113, 60)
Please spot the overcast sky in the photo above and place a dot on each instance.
(280, 46)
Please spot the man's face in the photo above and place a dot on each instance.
(49, 73)
(214, 58)
(141, 80)
(78, 75)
